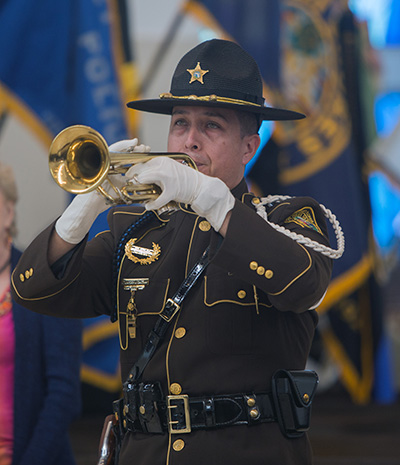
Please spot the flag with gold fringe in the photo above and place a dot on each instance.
(305, 65)
(68, 62)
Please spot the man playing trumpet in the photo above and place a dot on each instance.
(198, 356)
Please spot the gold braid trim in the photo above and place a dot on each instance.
(209, 98)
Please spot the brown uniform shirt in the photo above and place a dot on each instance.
(247, 317)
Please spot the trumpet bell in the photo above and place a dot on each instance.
(78, 159)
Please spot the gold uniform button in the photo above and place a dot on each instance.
(175, 389)
(178, 445)
(253, 265)
(180, 332)
(255, 201)
(31, 272)
(22, 278)
(260, 270)
(27, 275)
(254, 413)
(241, 294)
(269, 274)
(204, 226)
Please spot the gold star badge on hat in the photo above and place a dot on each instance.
(197, 73)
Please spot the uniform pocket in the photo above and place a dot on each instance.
(230, 314)
(151, 300)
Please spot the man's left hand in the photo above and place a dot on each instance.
(209, 197)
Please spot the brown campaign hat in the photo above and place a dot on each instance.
(216, 73)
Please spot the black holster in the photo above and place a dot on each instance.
(144, 396)
(119, 427)
(293, 393)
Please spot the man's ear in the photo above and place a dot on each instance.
(252, 142)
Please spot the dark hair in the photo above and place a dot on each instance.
(249, 123)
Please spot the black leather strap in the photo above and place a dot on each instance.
(171, 307)
(182, 414)
(225, 410)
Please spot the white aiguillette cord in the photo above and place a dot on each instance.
(323, 249)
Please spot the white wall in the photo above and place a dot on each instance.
(40, 199)
(151, 23)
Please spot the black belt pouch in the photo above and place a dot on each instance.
(293, 392)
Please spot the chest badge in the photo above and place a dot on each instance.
(142, 255)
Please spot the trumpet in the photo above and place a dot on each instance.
(80, 162)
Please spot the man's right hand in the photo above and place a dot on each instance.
(77, 219)
(79, 216)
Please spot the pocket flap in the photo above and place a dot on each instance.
(303, 384)
(224, 289)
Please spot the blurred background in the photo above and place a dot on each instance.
(79, 61)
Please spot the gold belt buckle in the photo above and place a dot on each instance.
(171, 424)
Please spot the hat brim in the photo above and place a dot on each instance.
(165, 106)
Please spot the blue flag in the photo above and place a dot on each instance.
(59, 66)
(62, 63)
(251, 23)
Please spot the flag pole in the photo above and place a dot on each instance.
(3, 118)
(126, 44)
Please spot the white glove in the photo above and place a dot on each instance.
(79, 216)
(209, 197)
(128, 146)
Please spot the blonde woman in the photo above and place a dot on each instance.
(39, 364)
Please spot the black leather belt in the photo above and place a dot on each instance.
(180, 414)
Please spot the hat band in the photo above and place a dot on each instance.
(208, 98)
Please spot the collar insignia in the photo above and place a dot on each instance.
(149, 255)
(197, 73)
